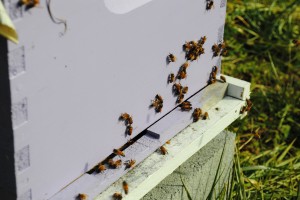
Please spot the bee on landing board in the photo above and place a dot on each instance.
(129, 164)
(163, 150)
(196, 114)
(205, 116)
(171, 58)
(168, 142)
(186, 106)
(125, 187)
(119, 152)
(114, 164)
(101, 168)
(223, 78)
(82, 196)
(117, 196)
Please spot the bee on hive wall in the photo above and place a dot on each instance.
(82, 196)
(119, 152)
(130, 163)
(171, 58)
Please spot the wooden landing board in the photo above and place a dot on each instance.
(208, 99)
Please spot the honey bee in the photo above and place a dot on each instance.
(185, 65)
(205, 116)
(125, 187)
(296, 43)
(168, 142)
(177, 88)
(191, 56)
(117, 196)
(101, 168)
(119, 152)
(222, 45)
(180, 98)
(186, 106)
(181, 75)
(211, 81)
(157, 103)
(215, 69)
(82, 196)
(129, 130)
(29, 3)
(130, 163)
(159, 98)
(186, 47)
(196, 114)
(209, 4)
(126, 117)
(163, 150)
(224, 52)
(171, 58)
(223, 78)
(114, 164)
(213, 75)
(171, 78)
(249, 105)
(215, 48)
(185, 89)
(202, 41)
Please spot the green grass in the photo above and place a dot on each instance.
(259, 36)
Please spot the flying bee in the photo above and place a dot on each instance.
(125, 187)
(196, 114)
(129, 130)
(130, 163)
(205, 116)
(82, 196)
(223, 78)
(296, 43)
(101, 168)
(119, 152)
(171, 58)
(163, 150)
(171, 78)
(185, 89)
(209, 4)
(177, 88)
(117, 196)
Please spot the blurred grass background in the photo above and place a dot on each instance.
(259, 36)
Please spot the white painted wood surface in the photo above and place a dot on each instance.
(68, 90)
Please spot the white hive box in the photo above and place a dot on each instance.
(67, 90)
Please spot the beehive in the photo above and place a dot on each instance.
(67, 85)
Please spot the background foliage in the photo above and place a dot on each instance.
(259, 37)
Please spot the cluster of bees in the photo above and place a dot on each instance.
(219, 49)
(247, 107)
(157, 103)
(28, 3)
(194, 49)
